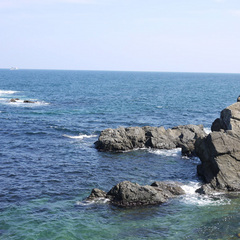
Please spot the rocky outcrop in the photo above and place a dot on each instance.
(219, 153)
(229, 119)
(128, 194)
(24, 101)
(123, 139)
(14, 99)
(28, 101)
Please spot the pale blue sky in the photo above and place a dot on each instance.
(132, 35)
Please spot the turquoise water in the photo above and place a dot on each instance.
(49, 164)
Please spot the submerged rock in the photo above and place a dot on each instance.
(24, 101)
(128, 194)
(14, 99)
(28, 101)
(123, 139)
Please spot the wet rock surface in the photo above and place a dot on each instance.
(124, 139)
(128, 194)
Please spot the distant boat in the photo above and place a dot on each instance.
(13, 68)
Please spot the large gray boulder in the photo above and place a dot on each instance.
(219, 153)
(229, 119)
(128, 194)
(124, 139)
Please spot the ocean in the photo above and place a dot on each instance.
(48, 163)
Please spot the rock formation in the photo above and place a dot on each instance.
(14, 99)
(123, 139)
(219, 153)
(229, 119)
(24, 101)
(128, 194)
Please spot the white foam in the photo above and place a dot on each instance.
(207, 130)
(176, 152)
(98, 200)
(7, 92)
(80, 136)
(193, 198)
(21, 103)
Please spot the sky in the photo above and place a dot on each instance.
(121, 35)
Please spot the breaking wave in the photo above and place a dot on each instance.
(96, 201)
(207, 130)
(193, 198)
(176, 152)
(79, 136)
(7, 92)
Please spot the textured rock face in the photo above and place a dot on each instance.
(97, 193)
(128, 194)
(229, 119)
(219, 152)
(122, 139)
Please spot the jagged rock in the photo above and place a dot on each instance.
(229, 119)
(123, 139)
(97, 193)
(171, 188)
(219, 153)
(128, 194)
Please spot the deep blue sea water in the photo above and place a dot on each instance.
(48, 163)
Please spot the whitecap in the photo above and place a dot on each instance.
(21, 103)
(176, 152)
(193, 198)
(79, 136)
(7, 92)
(88, 202)
(207, 130)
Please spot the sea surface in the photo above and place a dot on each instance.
(48, 163)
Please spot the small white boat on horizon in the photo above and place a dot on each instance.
(13, 68)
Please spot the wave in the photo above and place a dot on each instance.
(79, 136)
(176, 152)
(207, 130)
(21, 103)
(193, 198)
(7, 92)
(87, 202)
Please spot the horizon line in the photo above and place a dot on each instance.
(153, 71)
